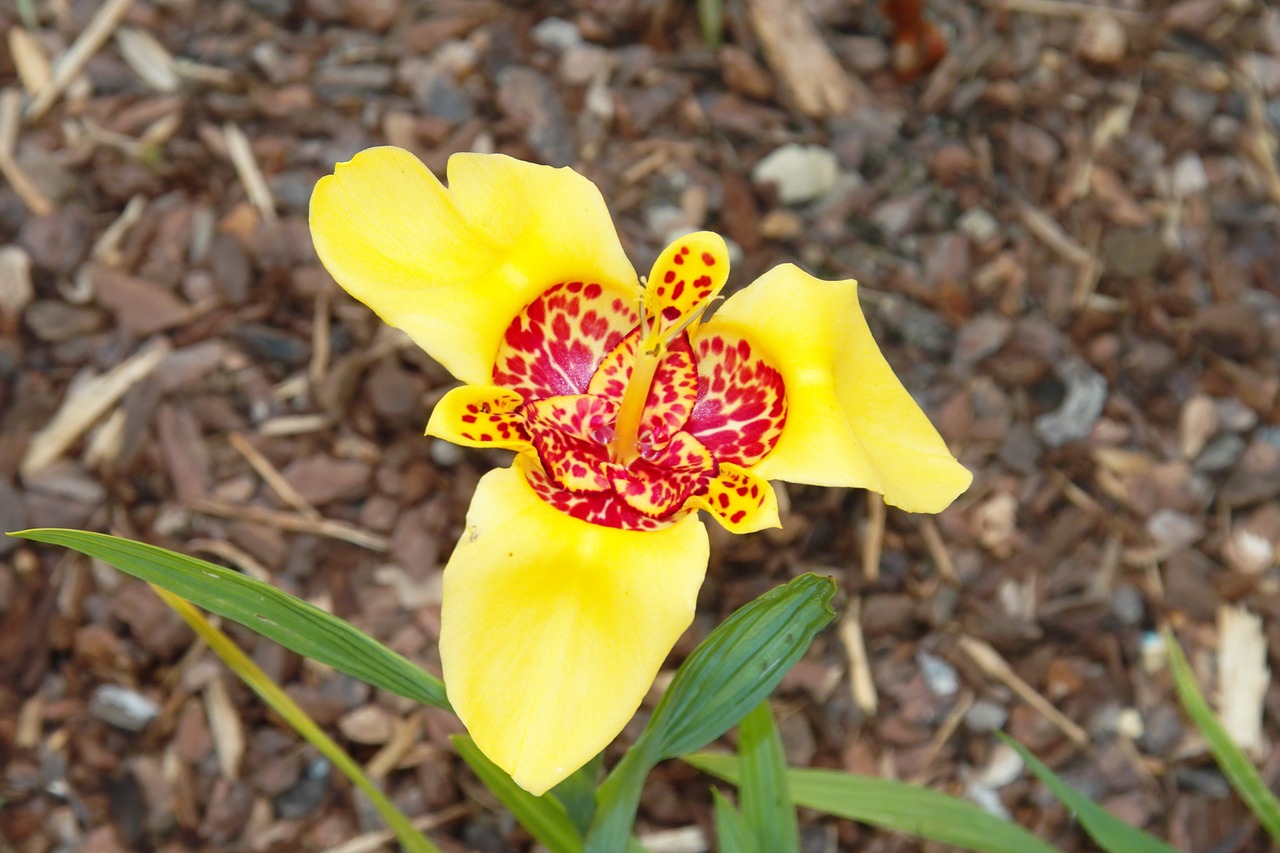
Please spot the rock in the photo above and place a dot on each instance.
(799, 173)
(979, 226)
(985, 716)
(1080, 410)
(1189, 176)
(582, 63)
(16, 290)
(306, 796)
(123, 708)
(1101, 38)
(940, 676)
(1221, 454)
(1173, 531)
(556, 34)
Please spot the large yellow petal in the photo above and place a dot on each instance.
(849, 420)
(553, 628)
(452, 267)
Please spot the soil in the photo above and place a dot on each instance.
(1066, 237)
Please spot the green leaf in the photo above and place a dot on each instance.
(578, 793)
(1230, 757)
(1108, 831)
(739, 664)
(290, 621)
(271, 693)
(765, 800)
(728, 674)
(732, 833)
(544, 817)
(889, 804)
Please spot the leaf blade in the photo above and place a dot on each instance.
(889, 804)
(766, 803)
(292, 622)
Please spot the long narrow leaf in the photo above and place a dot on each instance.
(1230, 757)
(271, 693)
(544, 817)
(1108, 831)
(732, 833)
(765, 801)
(892, 805)
(291, 622)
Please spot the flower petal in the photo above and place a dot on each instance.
(741, 501)
(688, 274)
(671, 396)
(453, 267)
(572, 436)
(849, 420)
(742, 402)
(553, 629)
(480, 416)
(659, 486)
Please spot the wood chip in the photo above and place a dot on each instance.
(1243, 677)
(35, 200)
(107, 247)
(225, 726)
(873, 543)
(86, 401)
(28, 56)
(860, 681)
(255, 186)
(797, 53)
(375, 841)
(148, 59)
(70, 64)
(938, 551)
(994, 666)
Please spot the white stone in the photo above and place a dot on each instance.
(556, 34)
(800, 172)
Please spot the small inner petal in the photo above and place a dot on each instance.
(554, 346)
(480, 416)
(741, 501)
(605, 508)
(567, 433)
(687, 275)
(671, 396)
(742, 404)
(659, 486)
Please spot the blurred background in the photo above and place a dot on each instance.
(1064, 217)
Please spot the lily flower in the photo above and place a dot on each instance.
(629, 410)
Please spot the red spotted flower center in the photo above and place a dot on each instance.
(633, 420)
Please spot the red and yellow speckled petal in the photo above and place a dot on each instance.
(556, 343)
(742, 403)
(659, 485)
(571, 434)
(480, 416)
(741, 501)
(688, 274)
(603, 508)
(671, 396)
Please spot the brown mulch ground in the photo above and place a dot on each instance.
(1067, 239)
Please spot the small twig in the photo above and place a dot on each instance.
(273, 478)
(402, 740)
(107, 249)
(326, 527)
(943, 734)
(938, 551)
(109, 16)
(1065, 9)
(873, 544)
(237, 557)
(35, 200)
(860, 680)
(255, 186)
(994, 666)
(372, 841)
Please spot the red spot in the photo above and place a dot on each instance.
(709, 259)
(678, 259)
(737, 516)
(684, 250)
(669, 277)
(677, 290)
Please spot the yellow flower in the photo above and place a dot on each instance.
(580, 564)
